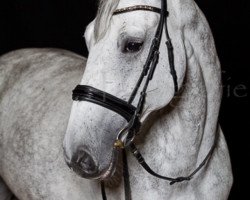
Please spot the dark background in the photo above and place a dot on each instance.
(61, 24)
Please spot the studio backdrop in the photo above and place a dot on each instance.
(61, 24)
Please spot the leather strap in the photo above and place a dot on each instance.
(136, 8)
(127, 188)
(104, 99)
(104, 196)
(135, 151)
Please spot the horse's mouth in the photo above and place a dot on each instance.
(109, 172)
(112, 176)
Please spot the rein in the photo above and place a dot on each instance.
(132, 114)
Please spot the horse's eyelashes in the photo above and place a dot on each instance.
(131, 45)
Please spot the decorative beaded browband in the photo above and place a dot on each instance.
(136, 8)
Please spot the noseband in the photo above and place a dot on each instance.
(131, 113)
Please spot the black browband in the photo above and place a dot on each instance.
(131, 113)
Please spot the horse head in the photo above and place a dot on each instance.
(119, 45)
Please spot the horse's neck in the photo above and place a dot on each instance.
(182, 136)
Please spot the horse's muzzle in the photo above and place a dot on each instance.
(83, 164)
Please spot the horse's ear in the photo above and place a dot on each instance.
(89, 35)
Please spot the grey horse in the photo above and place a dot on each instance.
(177, 131)
(35, 101)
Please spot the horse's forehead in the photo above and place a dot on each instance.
(126, 3)
(138, 19)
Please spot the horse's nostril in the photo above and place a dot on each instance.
(83, 163)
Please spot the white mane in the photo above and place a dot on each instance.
(104, 14)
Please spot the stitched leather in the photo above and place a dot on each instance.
(104, 99)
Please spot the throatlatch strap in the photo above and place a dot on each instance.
(143, 163)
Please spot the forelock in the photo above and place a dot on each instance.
(103, 17)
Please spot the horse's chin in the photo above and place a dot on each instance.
(109, 172)
(113, 174)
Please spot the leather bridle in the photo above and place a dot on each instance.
(131, 113)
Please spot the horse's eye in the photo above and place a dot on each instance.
(132, 47)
